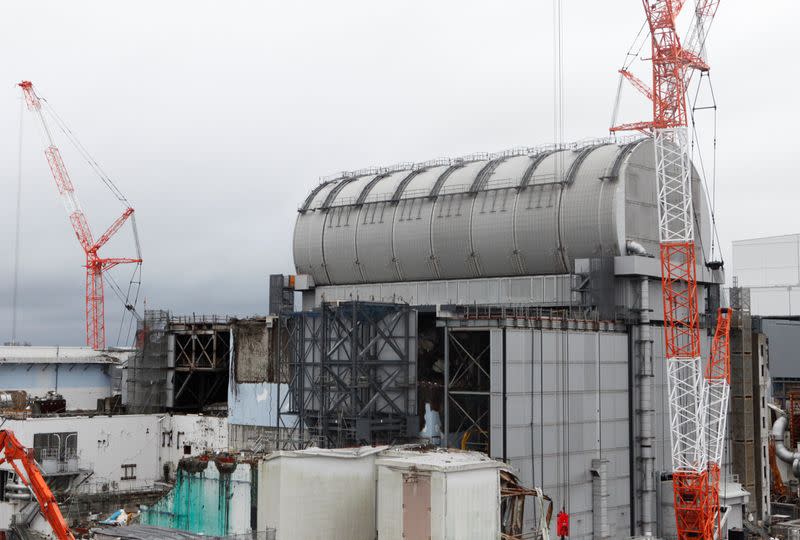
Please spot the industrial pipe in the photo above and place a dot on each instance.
(635, 248)
(600, 495)
(646, 412)
(783, 453)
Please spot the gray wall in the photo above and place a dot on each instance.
(597, 418)
(784, 337)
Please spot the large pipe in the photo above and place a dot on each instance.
(646, 412)
(783, 453)
(600, 524)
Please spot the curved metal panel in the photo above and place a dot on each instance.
(493, 231)
(530, 216)
(530, 172)
(536, 216)
(321, 195)
(344, 182)
(507, 173)
(350, 191)
(460, 179)
(384, 187)
(588, 212)
(308, 238)
(421, 183)
(374, 248)
(411, 239)
(450, 236)
(339, 245)
(307, 203)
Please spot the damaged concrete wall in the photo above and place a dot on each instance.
(208, 498)
(252, 350)
(143, 443)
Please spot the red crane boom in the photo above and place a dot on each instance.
(95, 264)
(19, 457)
(698, 401)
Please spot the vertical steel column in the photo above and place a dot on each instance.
(446, 438)
(646, 412)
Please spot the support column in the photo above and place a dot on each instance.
(646, 413)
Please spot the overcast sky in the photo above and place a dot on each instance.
(216, 118)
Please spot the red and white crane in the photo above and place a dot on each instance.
(96, 265)
(698, 400)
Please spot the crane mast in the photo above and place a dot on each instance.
(95, 264)
(698, 400)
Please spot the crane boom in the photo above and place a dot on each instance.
(95, 265)
(19, 457)
(698, 401)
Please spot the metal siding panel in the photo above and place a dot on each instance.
(421, 184)
(323, 193)
(450, 236)
(536, 216)
(508, 172)
(767, 262)
(311, 225)
(375, 255)
(385, 188)
(340, 245)
(411, 239)
(348, 195)
(588, 214)
(493, 231)
(461, 179)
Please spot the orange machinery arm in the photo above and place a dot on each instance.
(11, 452)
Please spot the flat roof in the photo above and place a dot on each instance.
(438, 460)
(14, 354)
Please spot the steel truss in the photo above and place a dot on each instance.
(351, 374)
(467, 388)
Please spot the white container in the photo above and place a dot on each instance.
(319, 494)
(438, 495)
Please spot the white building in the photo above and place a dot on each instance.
(80, 374)
(770, 268)
(111, 453)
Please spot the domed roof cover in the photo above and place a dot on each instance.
(523, 212)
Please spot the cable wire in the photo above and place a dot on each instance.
(17, 229)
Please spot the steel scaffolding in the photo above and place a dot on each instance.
(351, 371)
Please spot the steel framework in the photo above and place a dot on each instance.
(698, 402)
(352, 375)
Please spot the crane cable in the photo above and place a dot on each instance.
(710, 193)
(17, 229)
(134, 284)
(630, 58)
(559, 114)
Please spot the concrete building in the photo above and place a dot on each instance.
(518, 297)
(106, 460)
(79, 374)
